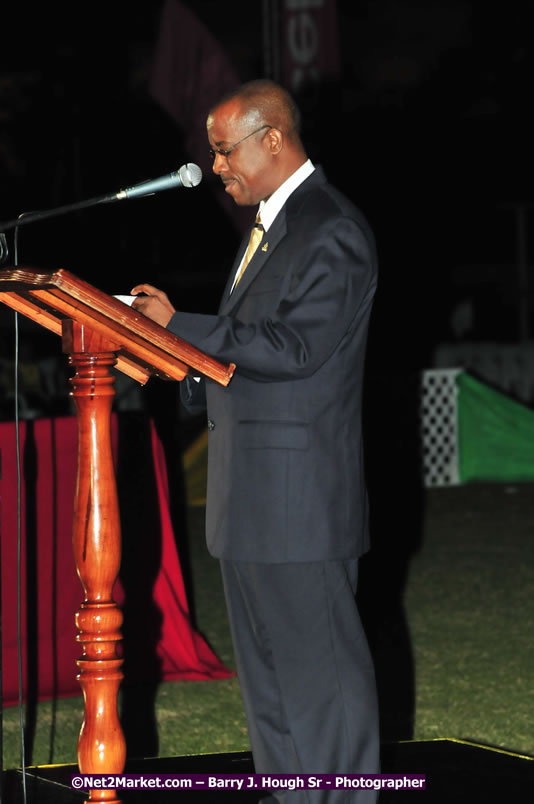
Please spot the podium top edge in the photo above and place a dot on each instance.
(85, 296)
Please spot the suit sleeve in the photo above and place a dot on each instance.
(332, 285)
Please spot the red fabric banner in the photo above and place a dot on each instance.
(309, 46)
(160, 642)
(190, 73)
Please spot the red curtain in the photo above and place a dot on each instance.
(160, 642)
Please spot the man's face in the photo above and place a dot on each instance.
(246, 171)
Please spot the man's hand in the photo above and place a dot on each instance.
(154, 305)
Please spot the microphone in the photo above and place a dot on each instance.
(189, 175)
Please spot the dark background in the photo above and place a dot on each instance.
(428, 129)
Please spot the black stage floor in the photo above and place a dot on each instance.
(455, 771)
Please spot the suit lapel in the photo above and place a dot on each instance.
(267, 246)
(262, 254)
(237, 262)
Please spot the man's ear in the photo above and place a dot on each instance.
(275, 140)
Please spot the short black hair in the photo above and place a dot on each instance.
(268, 102)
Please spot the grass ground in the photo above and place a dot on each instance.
(470, 604)
(468, 610)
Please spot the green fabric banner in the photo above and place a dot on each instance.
(495, 435)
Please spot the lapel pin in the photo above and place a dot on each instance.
(265, 246)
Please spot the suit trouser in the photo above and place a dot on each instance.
(305, 672)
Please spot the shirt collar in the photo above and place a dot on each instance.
(269, 209)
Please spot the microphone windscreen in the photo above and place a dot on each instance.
(190, 175)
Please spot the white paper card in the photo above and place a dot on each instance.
(126, 299)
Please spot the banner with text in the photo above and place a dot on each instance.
(309, 42)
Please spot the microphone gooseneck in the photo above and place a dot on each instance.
(189, 175)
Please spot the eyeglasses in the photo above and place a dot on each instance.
(227, 151)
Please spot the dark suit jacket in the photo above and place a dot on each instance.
(285, 459)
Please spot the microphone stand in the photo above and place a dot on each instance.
(3, 248)
(31, 217)
(189, 175)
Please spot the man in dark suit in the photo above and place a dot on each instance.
(286, 505)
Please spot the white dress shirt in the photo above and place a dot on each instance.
(269, 209)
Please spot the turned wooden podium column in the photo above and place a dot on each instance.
(97, 554)
(99, 332)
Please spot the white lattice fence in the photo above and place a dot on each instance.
(438, 421)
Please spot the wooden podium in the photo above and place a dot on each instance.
(98, 333)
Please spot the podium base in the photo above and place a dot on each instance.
(455, 771)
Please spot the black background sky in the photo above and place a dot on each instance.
(428, 130)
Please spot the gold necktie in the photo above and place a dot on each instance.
(255, 239)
